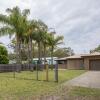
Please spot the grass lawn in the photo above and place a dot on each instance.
(77, 93)
(25, 84)
(82, 91)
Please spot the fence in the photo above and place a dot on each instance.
(16, 67)
(28, 67)
(20, 67)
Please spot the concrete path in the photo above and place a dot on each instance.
(89, 79)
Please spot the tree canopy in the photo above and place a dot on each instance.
(28, 32)
(97, 49)
(3, 55)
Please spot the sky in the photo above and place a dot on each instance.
(77, 20)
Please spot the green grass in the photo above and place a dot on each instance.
(82, 91)
(25, 84)
(65, 92)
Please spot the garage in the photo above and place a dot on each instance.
(95, 64)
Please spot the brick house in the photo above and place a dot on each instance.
(85, 61)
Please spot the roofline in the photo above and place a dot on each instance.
(74, 58)
(89, 55)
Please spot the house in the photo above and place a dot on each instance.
(49, 60)
(84, 61)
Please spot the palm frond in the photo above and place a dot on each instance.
(5, 19)
(59, 40)
(26, 12)
(6, 30)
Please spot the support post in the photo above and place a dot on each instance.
(47, 68)
(56, 73)
(37, 71)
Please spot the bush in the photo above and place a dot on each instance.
(4, 59)
(3, 55)
(3, 51)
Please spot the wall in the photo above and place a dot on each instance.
(75, 64)
(62, 64)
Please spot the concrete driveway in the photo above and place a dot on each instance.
(89, 79)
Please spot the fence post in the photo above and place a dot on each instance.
(14, 68)
(37, 71)
(56, 73)
(47, 71)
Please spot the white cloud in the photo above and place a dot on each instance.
(77, 20)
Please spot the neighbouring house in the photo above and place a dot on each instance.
(49, 60)
(84, 61)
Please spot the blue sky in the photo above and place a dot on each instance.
(77, 20)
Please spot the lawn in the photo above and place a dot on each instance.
(82, 91)
(24, 85)
(77, 93)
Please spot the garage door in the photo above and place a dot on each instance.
(95, 64)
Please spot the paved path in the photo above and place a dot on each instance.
(89, 79)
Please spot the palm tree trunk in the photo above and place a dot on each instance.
(44, 55)
(39, 52)
(18, 50)
(18, 53)
(28, 53)
(31, 52)
(52, 58)
(39, 55)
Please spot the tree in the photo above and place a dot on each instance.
(3, 55)
(97, 49)
(53, 42)
(40, 36)
(31, 26)
(4, 59)
(63, 52)
(14, 23)
(3, 50)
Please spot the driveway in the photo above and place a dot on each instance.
(89, 79)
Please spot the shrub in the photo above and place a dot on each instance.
(3, 51)
(4, 59)
(3, 55)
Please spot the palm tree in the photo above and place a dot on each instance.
(15, 23)
(40, 36)
(45, 45)
(53, 42)
(32, 25)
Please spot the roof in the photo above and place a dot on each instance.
(80, 56)
(65, 58)
(70, 57)
(92, 54)
(74, 57)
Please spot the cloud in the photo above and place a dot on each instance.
(77, 20)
